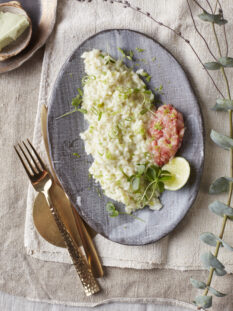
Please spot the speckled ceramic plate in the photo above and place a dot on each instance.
(64, 140)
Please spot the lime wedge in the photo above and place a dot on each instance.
(180, 170)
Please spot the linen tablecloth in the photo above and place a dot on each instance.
(40, 280)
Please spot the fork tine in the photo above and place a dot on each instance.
(28, 161)
(38, 168)
(22, 161)
(38, 157)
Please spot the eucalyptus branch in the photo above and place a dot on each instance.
(224, 26)
(225, 218)
(199, 33)
(126, 4)
(210, 6)
(198, 4)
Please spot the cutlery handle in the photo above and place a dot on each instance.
(88, 281)
(91, 253)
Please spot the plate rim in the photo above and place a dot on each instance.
(202, 129)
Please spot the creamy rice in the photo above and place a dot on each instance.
(115, 99)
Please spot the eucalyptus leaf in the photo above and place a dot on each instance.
(220, 272)
(227, 246)
(197, 284)
(209, 260)
(226, 61)
(220, 209)
(219, 185)
(209, 238)
(212, 18)
(212, 66)
(216, 292)
(223, 104)
(221, 140)
(203, 301)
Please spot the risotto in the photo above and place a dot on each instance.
(117, 107)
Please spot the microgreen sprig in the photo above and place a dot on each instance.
(113, 212)
(147, 181)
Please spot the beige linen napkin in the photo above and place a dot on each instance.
(77, 21)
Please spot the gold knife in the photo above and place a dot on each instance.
(85, 232)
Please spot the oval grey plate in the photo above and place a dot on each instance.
(64, 140)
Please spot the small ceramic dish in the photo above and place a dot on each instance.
(23, 40)
(43, 16)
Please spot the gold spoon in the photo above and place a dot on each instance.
(44, 221)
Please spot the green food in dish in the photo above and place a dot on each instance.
(11, 27)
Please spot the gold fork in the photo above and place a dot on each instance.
(42, 182)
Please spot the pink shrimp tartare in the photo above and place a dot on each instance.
(166, 129)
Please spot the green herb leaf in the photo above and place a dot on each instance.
(80, 92)
(197, 284)
(143, 111)
(221, 140)
(82, 110)
(130, 56)
(226, 61)
(140, 50)
(141, 168)
(76, 155)
(122, 52)
(212, 66)
(203, 301)
(151, 173)
(111, 209)
(166, 177)
(212, 18)
(160, 186)
(100, 115)
(216, 292)
(223, 104)
(135, 183)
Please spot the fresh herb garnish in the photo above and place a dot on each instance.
(159, 89)
(76, 103)
(144, 74)
(147, 182)
(140, 50)
(113, 212)
(76, 155)
(84, 111)
(128, 55)
(153, 59)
